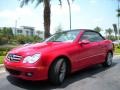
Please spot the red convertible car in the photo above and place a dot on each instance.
(59, 55)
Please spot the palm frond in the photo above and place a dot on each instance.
(38, 2)
(24, 2)
(32, 1)
(60, 2)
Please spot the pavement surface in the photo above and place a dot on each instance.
(2, 68)
(94, 78)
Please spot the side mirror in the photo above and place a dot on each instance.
(84, 42)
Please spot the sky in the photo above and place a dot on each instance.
(86, 14)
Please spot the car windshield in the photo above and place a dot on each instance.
(68, 36)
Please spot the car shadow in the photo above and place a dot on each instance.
(90, 72)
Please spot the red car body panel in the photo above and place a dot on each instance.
(80, 56)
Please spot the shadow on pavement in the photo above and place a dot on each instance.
(45, 85)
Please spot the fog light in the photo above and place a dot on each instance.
(29, 74)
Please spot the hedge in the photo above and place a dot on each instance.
(4, 49)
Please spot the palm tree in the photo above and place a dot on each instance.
(98, 29)
(59, 29)
(38, 33)
(109, 31)
(115, 30)
(118, 10)
(47, 13)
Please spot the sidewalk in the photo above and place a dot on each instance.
(2, 69)
(116, 56)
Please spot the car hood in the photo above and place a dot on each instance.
(30, 49)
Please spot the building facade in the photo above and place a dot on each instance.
(27, 31)
(24, 30)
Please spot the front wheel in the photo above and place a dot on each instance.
(108, 61)
(58, 71)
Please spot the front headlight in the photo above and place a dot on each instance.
(32, 59)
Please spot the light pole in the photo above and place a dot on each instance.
(15, 26)
(69, 12)
(118, 21)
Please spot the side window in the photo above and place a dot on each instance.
(92, 36)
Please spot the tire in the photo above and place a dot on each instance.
(57, 72)
(108, 61)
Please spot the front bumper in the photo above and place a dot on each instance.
(27, 73)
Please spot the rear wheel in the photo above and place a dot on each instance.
(108, 61)
(57, 72)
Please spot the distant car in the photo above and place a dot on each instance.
(116, 42)
(59, 55)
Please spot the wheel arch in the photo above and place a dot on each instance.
(106, 63)
(110, 52)
(69, 65)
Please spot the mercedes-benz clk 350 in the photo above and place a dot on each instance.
(59, 55)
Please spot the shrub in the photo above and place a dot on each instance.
(3, 40)
(21, 39)
(4, 50)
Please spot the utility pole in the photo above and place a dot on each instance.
(15, 26)
(69, 12)
(118, 21)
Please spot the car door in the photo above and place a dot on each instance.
(87, 53)
(98, 47)
(102, 47)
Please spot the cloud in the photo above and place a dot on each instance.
(34, 17)
(24, 16)
(60, 14)
(17, 13)
(64, 9)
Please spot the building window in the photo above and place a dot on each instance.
(19, 31)
(27, 33)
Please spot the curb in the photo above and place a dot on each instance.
(116, 55)
(1, 65)
(2, 69)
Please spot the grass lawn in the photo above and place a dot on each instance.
(1, 59)
(117, 51)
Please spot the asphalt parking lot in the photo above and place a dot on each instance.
(94, 78)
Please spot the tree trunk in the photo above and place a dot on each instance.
(47, 13)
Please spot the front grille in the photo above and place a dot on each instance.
(13, 72)
(14, 57)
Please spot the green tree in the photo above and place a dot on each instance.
(58, 29)
(109, 32)
(47, 13)
(6, 35)
(22, 39)
(98, 29)
(38, 33)
(7, 32)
